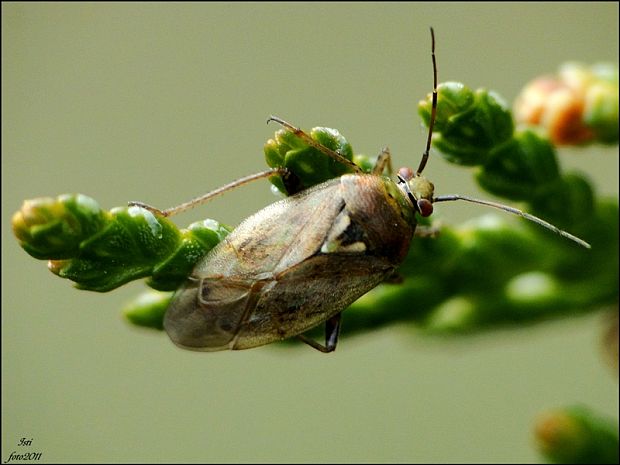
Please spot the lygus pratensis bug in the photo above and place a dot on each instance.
(301, 261)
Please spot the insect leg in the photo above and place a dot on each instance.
(332, 330)
(310, 141)
(384, 159)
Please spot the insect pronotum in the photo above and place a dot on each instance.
(301, 261)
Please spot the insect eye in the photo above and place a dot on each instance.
(405, 173)
(425, 207)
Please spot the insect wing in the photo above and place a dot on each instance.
(207, 311)
(277, 237)
(296, 303)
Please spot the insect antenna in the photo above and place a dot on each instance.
(433, 108)
(425, 209)
(514, 211)
(209, 195)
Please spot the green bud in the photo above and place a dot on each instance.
(534, 293)
(406, 299)
(101, 250)
(306, 165)
(577, 435)
(55, 227)
(601, 111)
(566, 202)
(453, 98)
(133, 232)
(148, 309)
(198, 239)
(429, 255)
(487, 244)
(578, 106)
(453, 315)
(469, 124)
(365, 162)
(516, 169)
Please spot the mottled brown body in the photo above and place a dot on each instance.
(293, 265)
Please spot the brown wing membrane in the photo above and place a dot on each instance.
(294, 303)
(205, 314)
(277, 237)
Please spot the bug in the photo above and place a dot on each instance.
(301, 261)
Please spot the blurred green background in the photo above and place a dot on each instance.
(162, 102)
